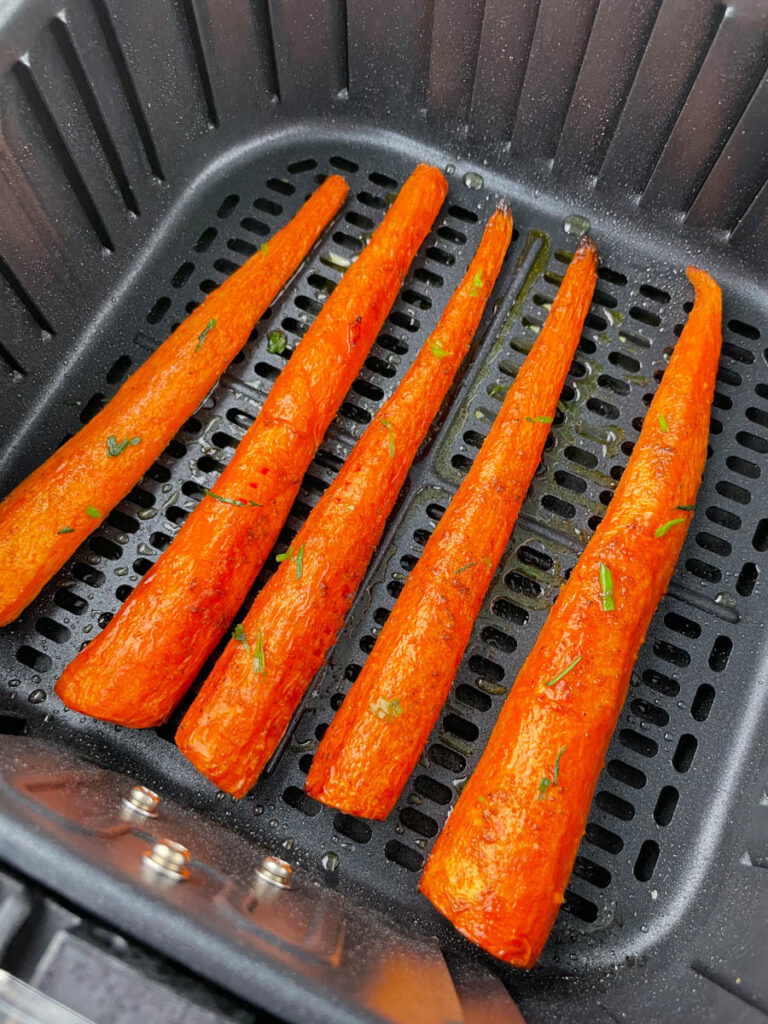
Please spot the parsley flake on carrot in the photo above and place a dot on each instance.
(204, 333)
(666, 527)
(115, 448)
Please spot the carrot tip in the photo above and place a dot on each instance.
(587, 245)
(503, 207)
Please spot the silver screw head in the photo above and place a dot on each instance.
(169, 858)
(142, 801)
(275, 871)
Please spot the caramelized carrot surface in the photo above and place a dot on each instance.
(139, 667)
(245, 705)
(50, 513)
(501, 865)
(364, 759)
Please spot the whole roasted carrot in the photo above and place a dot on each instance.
(51, 512)
(500, 868)
(139, 667)
(375, 740)
(239, 716)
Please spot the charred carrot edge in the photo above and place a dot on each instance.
(364, 759)
(239, 716)
(50, 513)
(139, 667)
(501, 865)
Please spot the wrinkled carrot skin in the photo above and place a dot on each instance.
(152, 404)
(238, 718)
(501, 865)
(363, 761)
(135, 672)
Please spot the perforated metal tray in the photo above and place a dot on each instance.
(665, 911)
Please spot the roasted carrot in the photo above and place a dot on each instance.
(50, 513)
(139, 667)
(365, 757)
(500, 868)
(239, 716)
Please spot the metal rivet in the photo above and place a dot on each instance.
(142, 800)
(275, 871)
(168, 858)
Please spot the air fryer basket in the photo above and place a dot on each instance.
(147, 149)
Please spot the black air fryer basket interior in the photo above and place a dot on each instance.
(146, 150)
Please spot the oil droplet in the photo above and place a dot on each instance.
(258, 809)
(575, 224)
(92, 559)
(450, 168)
(88, 628)
(330, 861)
(273, 822)
(460, 783)
(36, 697)
(104, 620)
(399, 829)
(288, 844)
(421, 843)
(122, 571)
(145, 549)
(166, 488)
(147, 513)
(121, 538)
(14, 682)
(473, 180)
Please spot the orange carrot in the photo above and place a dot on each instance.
(240, 714)
(137, 670)
(365, 758)
(51, 513)
(500, 868)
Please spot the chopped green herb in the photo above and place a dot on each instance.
(390, 437)
(263, 248)
(203, 334)
(477, 284)
(259, 665)
(546, 782)
(556, 774)
(666, 527)
(93, 512)
(276, 342)
(239, 634)
(539, 419)
(606, 588)
(386, 708)
(65, 529)
(481, 799)
(259, 661)
(288, 556)
(437, 350)
(564, 672)
(497, 389)
(115, 447)
(686, 508)
(233, 501)
(663, 425)
(487, 561)
(463, 567)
